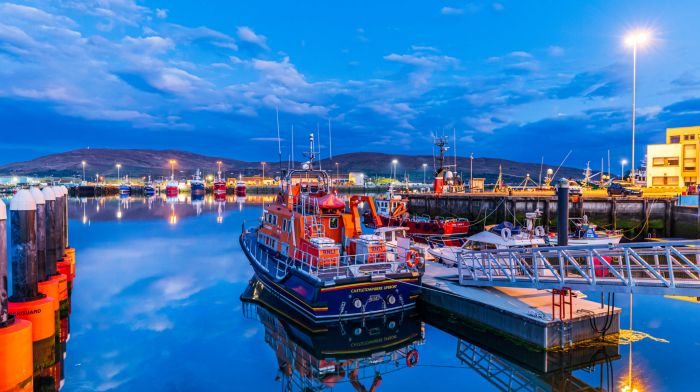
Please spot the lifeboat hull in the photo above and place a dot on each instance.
(351, 298)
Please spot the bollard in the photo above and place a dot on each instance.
(65, 217)
(51, 230)
(40, 233)
(16, 362)
(49, 286)
(24, 255)
(26, 302)
(58, 235)
(563, 213)
(60, 217)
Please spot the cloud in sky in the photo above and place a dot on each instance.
(91, 67)
(451, 11)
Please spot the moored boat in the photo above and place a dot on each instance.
(393, 211)
(309, 248)
(148, 188)
(197, 186)
(219, 183)
(240, 187)
(125, 187)
(584, 232)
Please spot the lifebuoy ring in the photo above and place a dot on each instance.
(539, 231)
(412, 358)
(411, 258)
(505, 233)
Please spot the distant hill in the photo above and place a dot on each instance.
(143, 162)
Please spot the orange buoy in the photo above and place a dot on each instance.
(16, 370)
(40, 313)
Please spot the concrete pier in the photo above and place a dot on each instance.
(523, 314)
(658, 216)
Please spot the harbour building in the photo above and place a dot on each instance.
(675, 163)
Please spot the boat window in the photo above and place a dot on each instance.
(333, 223)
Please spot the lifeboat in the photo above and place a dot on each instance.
(309, 248)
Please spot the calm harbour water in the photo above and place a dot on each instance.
(156, 306)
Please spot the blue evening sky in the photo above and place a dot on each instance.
(514, 79)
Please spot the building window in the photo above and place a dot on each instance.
(674, 139)
(689, 164)
(665, 161)
(664, 181)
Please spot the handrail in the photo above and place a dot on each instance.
(316, 265)
(655, 268)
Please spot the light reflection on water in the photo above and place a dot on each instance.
(156, 306)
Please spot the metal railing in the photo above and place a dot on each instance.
(324, 268)
(668, 268)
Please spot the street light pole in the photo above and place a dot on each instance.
(83, 163)
(471, 167)
(394, 162)
(622, 168)
(119, 166)
(262, 181)
(634, 40)
(425, 165)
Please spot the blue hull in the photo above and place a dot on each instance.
(349, 298)
(197, 189)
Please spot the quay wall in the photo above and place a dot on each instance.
(642, 216)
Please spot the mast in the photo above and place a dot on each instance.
(279, 140)
(319, 145)
(330, 140)
(454, 147)
(292, 158)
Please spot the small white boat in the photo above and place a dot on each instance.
(586, 233)
(502, 236)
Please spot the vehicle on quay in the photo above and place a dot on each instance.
(619, 189)
(310, 249)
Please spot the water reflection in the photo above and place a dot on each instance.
(156, 307)
(508, 365)
(314, 357)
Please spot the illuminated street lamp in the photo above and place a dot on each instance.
(119, 166)
(622, 171)
(635, 39)
(83, 163)
(425, 166)
(394, 163)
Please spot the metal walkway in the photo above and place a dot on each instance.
(662, 268)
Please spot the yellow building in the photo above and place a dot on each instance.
(674, 164)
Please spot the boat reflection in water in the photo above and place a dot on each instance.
(314, 357)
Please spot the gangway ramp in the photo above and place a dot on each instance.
(666, 268)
